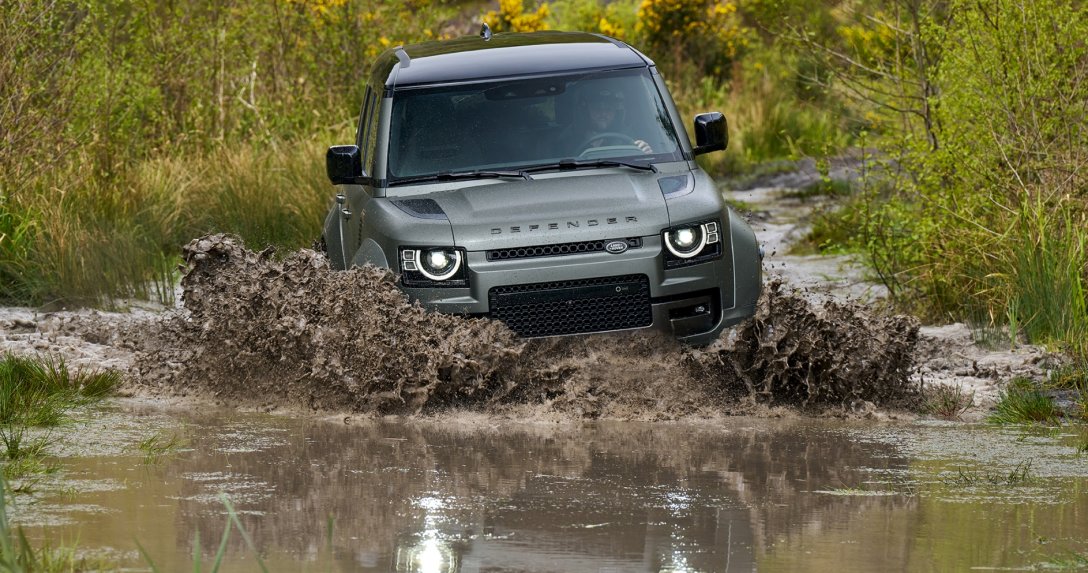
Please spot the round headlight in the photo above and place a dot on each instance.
(685, 242)
(439, 264)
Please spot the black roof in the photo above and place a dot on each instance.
(504, 55)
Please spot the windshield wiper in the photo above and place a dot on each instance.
(458, 175)
(571, 164)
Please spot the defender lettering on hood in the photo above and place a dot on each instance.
(568, 225)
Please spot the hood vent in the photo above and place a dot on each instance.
(422, 208)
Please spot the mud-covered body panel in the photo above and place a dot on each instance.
(585, 247)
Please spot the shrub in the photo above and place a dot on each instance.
(513, 17)
(709, 33)
(947, 400)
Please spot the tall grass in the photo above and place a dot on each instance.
(37, 393)
(129, 128)
(86, 240)
(16, 231)
(1049, 299)
(273, 194)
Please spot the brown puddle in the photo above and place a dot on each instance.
(294, 334)
(470, 495)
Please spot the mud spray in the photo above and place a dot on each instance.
(293, 333)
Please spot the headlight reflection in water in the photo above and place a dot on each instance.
(428, 553)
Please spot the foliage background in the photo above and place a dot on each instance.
(130, 127)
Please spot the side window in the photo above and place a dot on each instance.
(371, 140)
(365, 126)
(360, 137)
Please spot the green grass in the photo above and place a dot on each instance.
(16, 231)
(160, 445)
(1024, 403)
(121, 238)
(1073, 377)
(1049, 300)
(1068, 560)
(1018, 476)
(1081, 445)
(824, 187)
(946, 400)
(39, 393)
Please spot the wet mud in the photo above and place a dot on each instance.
(260, 331)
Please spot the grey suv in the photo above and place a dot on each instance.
(544, 180)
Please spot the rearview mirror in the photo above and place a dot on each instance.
(343, 164)
(711, 132)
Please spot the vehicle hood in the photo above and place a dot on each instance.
(564, 209)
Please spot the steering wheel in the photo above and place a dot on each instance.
(606, 136)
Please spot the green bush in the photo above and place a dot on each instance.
(980, 208)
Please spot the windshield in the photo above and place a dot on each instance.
(514, 124)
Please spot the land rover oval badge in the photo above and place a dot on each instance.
(616, 247)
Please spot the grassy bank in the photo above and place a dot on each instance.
(130, 128)
(101, 239)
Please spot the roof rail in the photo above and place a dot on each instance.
(405, 61)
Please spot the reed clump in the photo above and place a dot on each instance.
(37, 394)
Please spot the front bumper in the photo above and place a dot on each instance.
(694, 303)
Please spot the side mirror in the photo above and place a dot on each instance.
(343, 164)
(711, 133)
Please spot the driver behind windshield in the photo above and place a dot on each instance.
(601, 124)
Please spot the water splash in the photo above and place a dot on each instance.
(257, 331)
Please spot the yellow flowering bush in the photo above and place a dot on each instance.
(512, 17)
(613, 18)
(872, 40)
(707, 32)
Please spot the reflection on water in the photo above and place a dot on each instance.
(428, 497)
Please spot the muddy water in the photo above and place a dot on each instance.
(468, 494)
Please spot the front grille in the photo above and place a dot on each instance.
(573, 307)
(558, 249)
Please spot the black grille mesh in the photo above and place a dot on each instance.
(558, 249)
(573, 307)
